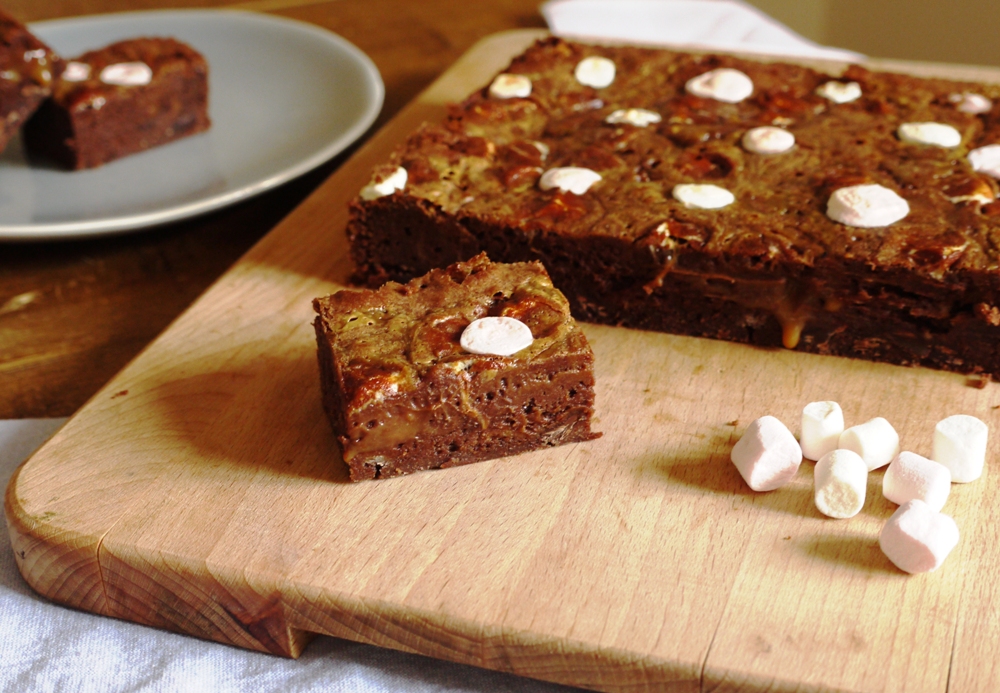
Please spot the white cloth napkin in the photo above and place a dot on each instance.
(46, 647)
(724, 25)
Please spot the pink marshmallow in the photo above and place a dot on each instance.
(767, 456)
(912, 476)
(917, 538)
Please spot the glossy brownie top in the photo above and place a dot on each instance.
(386, 340)
(24, 60)
(163, 56)
(485, 161)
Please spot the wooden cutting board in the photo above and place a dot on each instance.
(201, 491)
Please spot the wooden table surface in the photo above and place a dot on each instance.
(73, 313)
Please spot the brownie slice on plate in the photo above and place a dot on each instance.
(119, 100)
(27, 70)
(405, 391)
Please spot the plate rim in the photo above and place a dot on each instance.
(110, 225)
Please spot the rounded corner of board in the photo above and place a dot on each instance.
(44, 556)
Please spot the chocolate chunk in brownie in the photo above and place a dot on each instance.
(749, 253)
(125, 98)
(404, 395)
(27, 70)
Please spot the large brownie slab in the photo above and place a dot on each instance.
(769, 269)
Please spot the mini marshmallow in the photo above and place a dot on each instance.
(840, 481)
(639, 117)
(822, 424)
(767, 456)
(569, 179)
(937, 134)
(839, 92)
(508, 86)
(768, 140)
(912, 476)
(542, 148)
(395, 181)
(917, 538)
(971, 103)
(722, 84)
(960, 445)
(595, 71)
(76, 72)
(134, 74)
(702, 196)
(496, 336)
(876, 441)
(986, 160)
(866, 206)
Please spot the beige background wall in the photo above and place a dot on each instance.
(960, 31)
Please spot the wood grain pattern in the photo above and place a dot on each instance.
(201, 491)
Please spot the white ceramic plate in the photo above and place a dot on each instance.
(284, 97)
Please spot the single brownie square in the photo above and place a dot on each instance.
(27, 70)
(758, 202)
(403, 394)
(119, 100)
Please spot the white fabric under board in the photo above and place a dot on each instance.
(723, 25)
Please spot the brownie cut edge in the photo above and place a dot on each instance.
(402, 395)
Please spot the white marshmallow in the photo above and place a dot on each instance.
(702, 196)
(721, 84)
(134, 74)
(508, 86)
(768, 140)
(542, 148)
(937, 134)
(876, 441)
(569, 179)
(822, 424)
(839, 92)
(971, 103)
(76, 71)
(639, 117)
(986, 160)
(840, 481)
(496, 336)
(960, 445)
(595, 71)
(767, 456)
(912, 476)
(395, 181)
(866, 206)
(917, 538)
